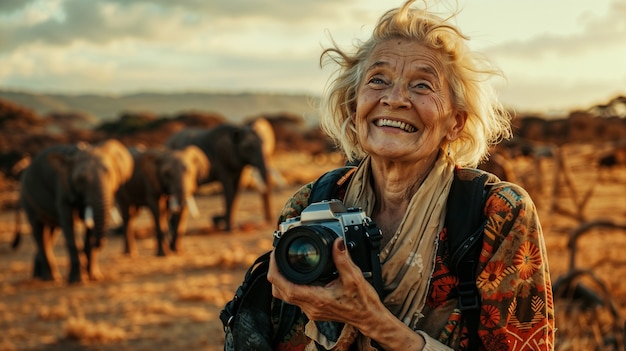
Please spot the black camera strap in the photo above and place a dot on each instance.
(375, 236)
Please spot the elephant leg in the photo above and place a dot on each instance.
(230, 188)
(266, 194)
(178, 227)
(129, 213)
(76, 266)
(44, 267)
(91, 252)
(266, 199)
(159, 214)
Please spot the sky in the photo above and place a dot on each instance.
(557, 55)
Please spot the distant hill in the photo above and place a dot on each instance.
(235, 107)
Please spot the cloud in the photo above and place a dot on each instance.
(553, 95)
(63, 22)
(275, 10)
(597, 33)
(10, 6)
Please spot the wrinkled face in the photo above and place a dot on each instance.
(404, 109)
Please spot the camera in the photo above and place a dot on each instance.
(303, 244)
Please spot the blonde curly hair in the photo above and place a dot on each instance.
(468, 73)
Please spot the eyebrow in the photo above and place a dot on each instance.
(422, 68)
(428, 70)
(376, 65)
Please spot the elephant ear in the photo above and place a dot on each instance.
(121, 157)
(148, 164)
(124, 165)
(199, 159)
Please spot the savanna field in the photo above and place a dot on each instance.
(172, 303)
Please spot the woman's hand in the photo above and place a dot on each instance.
(349, 299)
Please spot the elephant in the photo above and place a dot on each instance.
(229, 149)
(65, 183)
(251, 176)
(164, 180)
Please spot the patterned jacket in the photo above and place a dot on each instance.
(513, 280)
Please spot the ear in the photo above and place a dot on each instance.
(457, 126)
(61, 164)
(200, 161)
(121, 158)
(148, 163)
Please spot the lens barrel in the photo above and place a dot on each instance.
(304, 254)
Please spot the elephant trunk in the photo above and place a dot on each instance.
(176, 202)
(100, 209)
(262, 167)
(266, 195)
(173, 203)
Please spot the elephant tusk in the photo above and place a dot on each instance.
(173, 204)
(193, 207)
(89, 217)
(258, 180)
(116, 218)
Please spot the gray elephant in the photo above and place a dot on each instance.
(229, 149)
(164, 180)
(68, 182)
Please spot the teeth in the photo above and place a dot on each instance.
(396, 124)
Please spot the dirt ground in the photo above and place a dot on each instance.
(173, 303)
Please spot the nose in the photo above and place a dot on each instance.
(396, 97)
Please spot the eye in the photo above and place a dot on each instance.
(376, 82)
(422, 86)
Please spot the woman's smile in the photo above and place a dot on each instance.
(387, 122)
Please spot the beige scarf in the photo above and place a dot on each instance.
(408, 259)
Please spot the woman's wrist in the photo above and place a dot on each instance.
(391, 334)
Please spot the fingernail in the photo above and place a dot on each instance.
(342, 245)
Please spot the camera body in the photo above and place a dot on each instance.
(303, 244)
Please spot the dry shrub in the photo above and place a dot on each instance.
(160, 307)
(78, 328)
(195, 295)
(199, 316)
(235, 256)
(586, 329)
(7, 346)
(52, 313)
(214, 295)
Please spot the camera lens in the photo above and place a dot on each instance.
(304, 254)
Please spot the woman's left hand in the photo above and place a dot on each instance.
(349, 299)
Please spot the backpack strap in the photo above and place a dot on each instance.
(331, 184)
(465, 209)
(257, 269)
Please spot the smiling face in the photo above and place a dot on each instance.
(404, 109)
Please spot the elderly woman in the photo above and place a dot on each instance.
(413, 106)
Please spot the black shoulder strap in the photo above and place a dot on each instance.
(256, 270)
(465, 224)
(329, 185)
